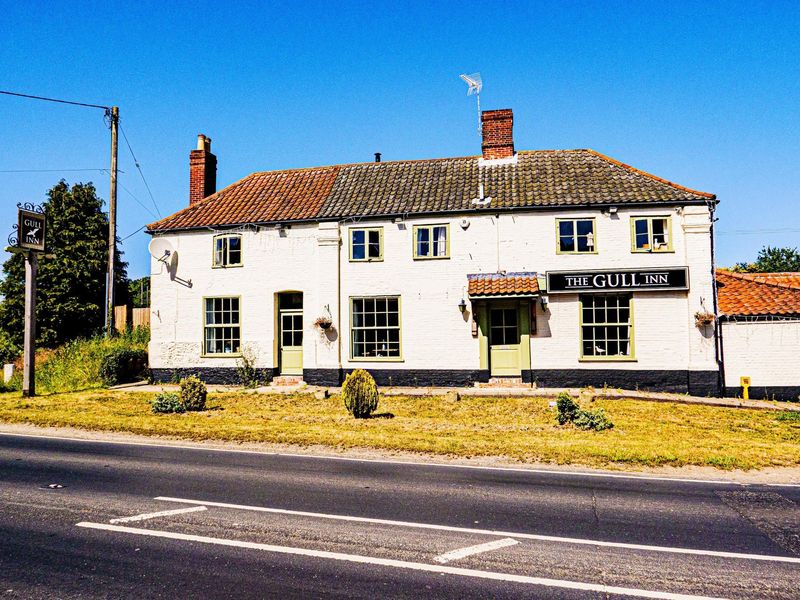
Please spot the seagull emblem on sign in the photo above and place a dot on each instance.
(33, 236)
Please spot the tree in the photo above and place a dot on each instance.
(772, 260)
(140, 292)
(71, 286)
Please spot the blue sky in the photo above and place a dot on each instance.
(706, 94)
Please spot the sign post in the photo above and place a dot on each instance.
(29, 240)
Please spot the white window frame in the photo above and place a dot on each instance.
(221, 256)
(234, 325)
(354, 329)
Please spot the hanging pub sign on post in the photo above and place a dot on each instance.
(29, 240)
(30, 230)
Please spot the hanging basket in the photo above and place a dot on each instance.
(704, 319)
(323, 323)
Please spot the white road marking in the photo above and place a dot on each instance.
(478, 549)
(399, 564)
(511, 534)
(556, 472)
(163, 513)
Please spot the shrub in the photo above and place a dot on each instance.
(167, 402)
(567, 408)
(9, 351)
(570, 412)
(360, 394)
(123, 365)
(246, 369)
(193, 393)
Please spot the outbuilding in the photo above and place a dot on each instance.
(548, 267)
(760, 333)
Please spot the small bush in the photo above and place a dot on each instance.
(9, 351)
(567, 408)
(246, 369)
(123, 365)
(360, 394)
(167, 402)
(570, 412)
(193, 393)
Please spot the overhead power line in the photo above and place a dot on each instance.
(7, 93)
(133, 234)
(52, 170)
(139, 168)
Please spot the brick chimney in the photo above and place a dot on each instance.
(202, 170)
(498, 133)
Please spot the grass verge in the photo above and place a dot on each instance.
(523, 429)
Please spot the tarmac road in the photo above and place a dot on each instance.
(142, 521)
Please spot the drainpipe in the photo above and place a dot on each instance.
(719, 349)
(339, 294)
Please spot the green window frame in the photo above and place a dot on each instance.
(375, 328)
(222, 327)
(576, 236)
(651, 234)
(227, 250)
(366, 244)
(606, 327)
(431, 242)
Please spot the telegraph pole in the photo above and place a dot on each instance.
(112, 224)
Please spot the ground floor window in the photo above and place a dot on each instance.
(606, 325)
(222, 327)
(375, 327)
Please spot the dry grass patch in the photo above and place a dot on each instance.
(524, 429)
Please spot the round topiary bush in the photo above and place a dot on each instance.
(193, 393)
(360, 394)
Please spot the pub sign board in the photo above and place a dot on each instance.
(623, 280)
(31, 230)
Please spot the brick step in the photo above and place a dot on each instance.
(503, 382)
(287, 381)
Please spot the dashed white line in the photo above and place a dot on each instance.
(163, 513)
(477, 549)
(511, 534)
(399, 564)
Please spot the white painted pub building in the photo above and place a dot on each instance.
(556, 268)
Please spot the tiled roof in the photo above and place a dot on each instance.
(534, 179)
(751, 294)
(502, 284)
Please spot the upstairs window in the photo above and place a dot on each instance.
(576, 236)
(222, 326)
(431, 241)
(228, 250)
(366, 244)
(651, 234)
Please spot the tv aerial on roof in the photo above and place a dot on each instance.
(475, 84)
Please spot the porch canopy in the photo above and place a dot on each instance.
(503, 285)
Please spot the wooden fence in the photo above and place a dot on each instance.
(125, 317)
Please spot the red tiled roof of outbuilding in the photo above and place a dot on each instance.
(758, 294)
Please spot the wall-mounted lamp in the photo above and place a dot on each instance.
(462, 306)
(610, 210)
(543, 302)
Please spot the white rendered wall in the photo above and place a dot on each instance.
(435, 335)
(765, 351)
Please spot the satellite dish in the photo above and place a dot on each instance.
(160, 249)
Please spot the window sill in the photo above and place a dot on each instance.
(607, 359)
(228, 355)
(432, 257)
(227, 266)
(377, 359)
(559, 252)
(636, 251)
(366, 260)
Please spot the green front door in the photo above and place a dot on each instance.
(291, 342)
(504, 341)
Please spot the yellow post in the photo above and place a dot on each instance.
(745, 383)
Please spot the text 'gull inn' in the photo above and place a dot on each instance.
(550, 267)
